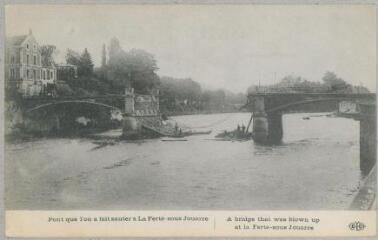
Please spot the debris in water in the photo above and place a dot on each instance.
(237, 135)
(118, 164)
(101, 144)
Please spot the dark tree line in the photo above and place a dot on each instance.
(186, 96)
(137, 68)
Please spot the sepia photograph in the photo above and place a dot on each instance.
(190, 107)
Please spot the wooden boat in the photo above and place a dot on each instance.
(190, 133)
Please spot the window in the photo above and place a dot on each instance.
(12, 73)
(35, 60)
(51, 75)
(27, 74)
(34, 74)
(27, 45)
(27, 59)
(12, 59)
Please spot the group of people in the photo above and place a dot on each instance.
(178, 130)
(240, 128)
(239, 133)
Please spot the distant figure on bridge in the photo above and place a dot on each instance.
(243, 128)
(176, 128)
(238, 128)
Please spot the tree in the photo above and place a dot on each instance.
(63, 89)
(214, 100)
(292, 83)
(235, 98)
(334, 83)
(47, 52)
(135, 68)
(72, 57)
(86, 64)
(83, 62)
(103, 59)
(181, 89)
(115, 50)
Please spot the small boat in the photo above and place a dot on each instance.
(189, 133)
(306, 118)
(174, 140)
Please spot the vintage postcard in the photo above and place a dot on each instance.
(189, 120)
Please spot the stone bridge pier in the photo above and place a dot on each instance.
(368, 136)
(267, 127)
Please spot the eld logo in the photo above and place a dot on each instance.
(357, 226)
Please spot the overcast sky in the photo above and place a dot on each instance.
(220, 46)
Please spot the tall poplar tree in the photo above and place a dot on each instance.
(86, 64)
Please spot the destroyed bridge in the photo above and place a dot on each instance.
(267, 110)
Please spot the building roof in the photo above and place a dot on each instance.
(16, 40)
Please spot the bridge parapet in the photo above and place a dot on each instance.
(305, 102)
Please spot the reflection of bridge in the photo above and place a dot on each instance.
(267, 109)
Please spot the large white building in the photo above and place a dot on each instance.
(23, 66)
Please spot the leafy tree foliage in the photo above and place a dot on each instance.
(63, 89)
(103, 57)
(88, 83)
(175, 92)
(73, 57)
(83, 61)
(186, 96)
(213, 99)
(235, 98)
(86, 64)
(292, 83)
(135, 68)
(47, 52)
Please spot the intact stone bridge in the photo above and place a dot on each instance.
(267, 110)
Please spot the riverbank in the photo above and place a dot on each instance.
(366, 197)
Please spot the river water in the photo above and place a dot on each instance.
(316, 167)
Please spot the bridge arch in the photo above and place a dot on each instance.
(69, 116)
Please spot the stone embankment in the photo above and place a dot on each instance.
(366, 196)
